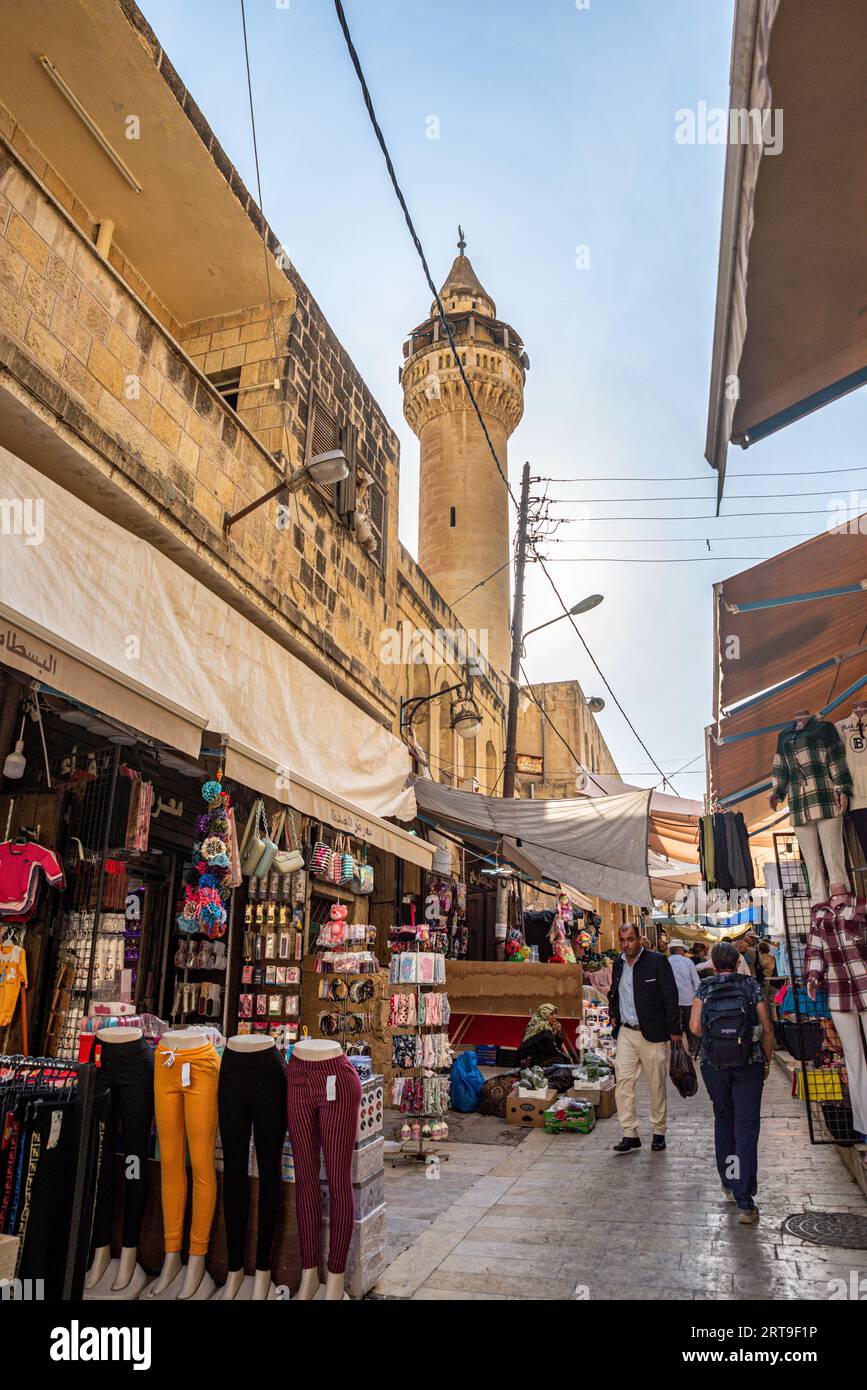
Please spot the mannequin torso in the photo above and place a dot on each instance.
(316, 1050)
(250, 1042)
(119, 1035)
(176, 1040)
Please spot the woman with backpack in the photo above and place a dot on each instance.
(731, 1017)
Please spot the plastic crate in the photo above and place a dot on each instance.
(839, 1121)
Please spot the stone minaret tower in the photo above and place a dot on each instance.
(464, 509)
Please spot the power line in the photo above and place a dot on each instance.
(368, 102)
(704, 516)
(675, 540)
(701, 497)
(662, 559)
(703, 478)
(665, 780)
(481, 583)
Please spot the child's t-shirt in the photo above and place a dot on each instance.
(13, 974)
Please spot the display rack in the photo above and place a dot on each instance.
(269, 999)
(822, 1080)
(418, 1149)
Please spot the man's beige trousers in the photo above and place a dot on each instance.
(635, 1054)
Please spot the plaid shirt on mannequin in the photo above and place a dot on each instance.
(836, 957)
(809, 769)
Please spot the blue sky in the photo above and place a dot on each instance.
(556, 131)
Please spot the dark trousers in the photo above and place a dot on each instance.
(689, 1039)
(251, 1099)
(127, 1070)
(736, 1093)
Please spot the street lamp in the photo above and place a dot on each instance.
(595, 704)
(591, 601)
(330, 467)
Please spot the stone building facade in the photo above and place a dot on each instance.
(153, 372)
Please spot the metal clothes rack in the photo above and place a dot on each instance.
(54, 1079)
(825, 1089)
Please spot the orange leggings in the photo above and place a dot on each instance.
(187, 1113)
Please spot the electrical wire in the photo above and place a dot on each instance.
(703, 478)
(527, 689)
(676, 540)
(695, 497)
(654, 560)
(708, 516)
(665, 780)
(368, 102)
(481, 583)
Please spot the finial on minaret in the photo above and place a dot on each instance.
(462, 245)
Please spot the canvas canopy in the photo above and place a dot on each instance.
(104, 617)
(599, 844)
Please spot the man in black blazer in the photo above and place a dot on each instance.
(645, 1015)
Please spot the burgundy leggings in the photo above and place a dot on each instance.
(316, 1121)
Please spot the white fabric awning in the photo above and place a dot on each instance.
(600, 844)
(102, 616)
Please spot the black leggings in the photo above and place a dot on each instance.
(127, 1070)
(251, 1098)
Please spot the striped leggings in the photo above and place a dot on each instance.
(323, 1104)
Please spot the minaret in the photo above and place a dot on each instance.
(464, 508)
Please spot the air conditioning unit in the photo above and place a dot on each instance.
(470, 784)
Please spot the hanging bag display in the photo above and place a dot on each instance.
(263, 868)
(336, 867)
(253, 843)
(320, 860)
(363, 877)
(289, 859)
(347, 867)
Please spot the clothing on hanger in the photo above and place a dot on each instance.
(809, 770)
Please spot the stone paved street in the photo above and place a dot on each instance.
(560, 1216)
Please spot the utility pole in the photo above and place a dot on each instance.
(511, 759)
(511, 754)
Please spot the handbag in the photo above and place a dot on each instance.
(253, 844)
(320, 860)
(263, 868)
(288, 860)
(347, 867)
(681, 1069)
(363, 878)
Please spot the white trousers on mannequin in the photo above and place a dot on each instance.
(856, 1065)
(821, 845)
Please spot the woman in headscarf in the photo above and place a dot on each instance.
(544, 1043)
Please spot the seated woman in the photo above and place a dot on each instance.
(544, 1043)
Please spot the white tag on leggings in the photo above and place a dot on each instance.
(54, 1131)
(185, 1074)
(331, 1088)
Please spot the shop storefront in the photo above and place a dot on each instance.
(787, 751)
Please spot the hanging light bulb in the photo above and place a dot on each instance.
(15, 763)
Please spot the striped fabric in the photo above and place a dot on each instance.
(316, 1122)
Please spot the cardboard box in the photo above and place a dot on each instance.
(8, 1256)
(529, 1113)
(601, 1098)
(525, 1094)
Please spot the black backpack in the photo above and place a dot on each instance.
(728, 1017)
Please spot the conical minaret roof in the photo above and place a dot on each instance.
(462, 281)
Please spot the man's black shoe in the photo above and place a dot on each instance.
(626, 1145)
(657, 1143)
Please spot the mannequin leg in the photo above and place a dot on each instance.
(104, 1208)
(808, 841)
(125, 1267)
(261, 1286)
(338, 1122)
(304, 1136)
(98, 1265)
(169, 1105)
(193, 1276)
(269, 1131)
(199, 1100)
(167, 1275)
(334, 1288)
(834, 852)
(236, 1123)
(856, 1065)
(232, 1286)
